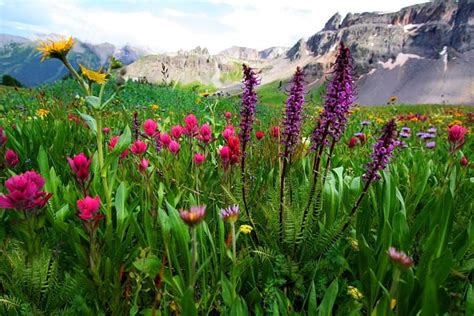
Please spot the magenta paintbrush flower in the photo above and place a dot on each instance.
(150, 127)
(11, 158)
(165, 139)
(199, 158)
(194, 215)
(139, 147)
(456, 136)
(174, 147)
(113, 142)
(25, 192)
(205, 133)
(176, 131)
(88, 207)
(80, 165)
(190, 127)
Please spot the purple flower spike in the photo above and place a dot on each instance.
(249, 101)
(294, 109)
(339, 98)
(383, 150)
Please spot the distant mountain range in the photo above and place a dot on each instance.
(20, 59)
(421, 54)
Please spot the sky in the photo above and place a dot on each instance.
(170, 25)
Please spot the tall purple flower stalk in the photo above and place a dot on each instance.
(247, 116)
(382, 152)
(292, 124)
(333, 120)
(294, 109)
(339, 98)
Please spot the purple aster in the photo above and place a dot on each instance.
(406, 129)
(404, 134)
(249, 101)
(339, 98)
(431, 130)
(230, 214)
(382, 152)
(293, 111)
(364, 123)
(428, 136)
(430, 145)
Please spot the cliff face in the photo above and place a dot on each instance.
(436, 34)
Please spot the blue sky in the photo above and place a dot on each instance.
(165, 25)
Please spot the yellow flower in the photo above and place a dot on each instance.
(354, 292)
(393, 303)
(155, 107)
(42, 112)
(379, 120)
(55, 49)
(354, 244)
(92, 75)
(245, 229)
(455, 122)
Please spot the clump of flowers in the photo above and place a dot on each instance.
(400, 258)
(230, 154)
(25, 192)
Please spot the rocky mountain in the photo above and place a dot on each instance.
(421, 54)
(20, 59)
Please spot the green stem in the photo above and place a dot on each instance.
(103, 171)
(193, 257)
(71, 69)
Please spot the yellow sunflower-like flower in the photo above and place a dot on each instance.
(92, 75)
(42, 112)
(55, 49)
(354, 292)
(155, 107)
(245, 229)
(380, 120)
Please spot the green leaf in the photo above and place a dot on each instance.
(121, 209)
(325, 309)
(93, 101)
(150, 265)
(312, 303)
(90, 121)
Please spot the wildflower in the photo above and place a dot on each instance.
(24, 192)
(249, 101)
(379, 120)
(406, 129)
(234, 145)
(42, 113)
(404, 134)
(80, 166)
(245, 229)
(205, 133)
(338, 101)
(190, 127)
(56, 49)
(11, 158)
(144, 163)
(355, 293)
(139, 147)
(431, 130)
(150, 127)
(275, 131)
(430, 145)
(95, 76)
(165, 139)
(400, 257)
(154, 107)
(225, 153)
(393, 303)
(3, 137)
(194, 215)
(230, 214)
(354, 244)
(293, 111)
(228, 131)
(259, 135)
(464, 162)
(176, 131)
(361, 137)
(364, 123)
(382, 151)
(106, 130)
(228, 115)
(199, 158)
(113, 143)
(456, 136)
(352, 142)
(88, 207)
(173, 147)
